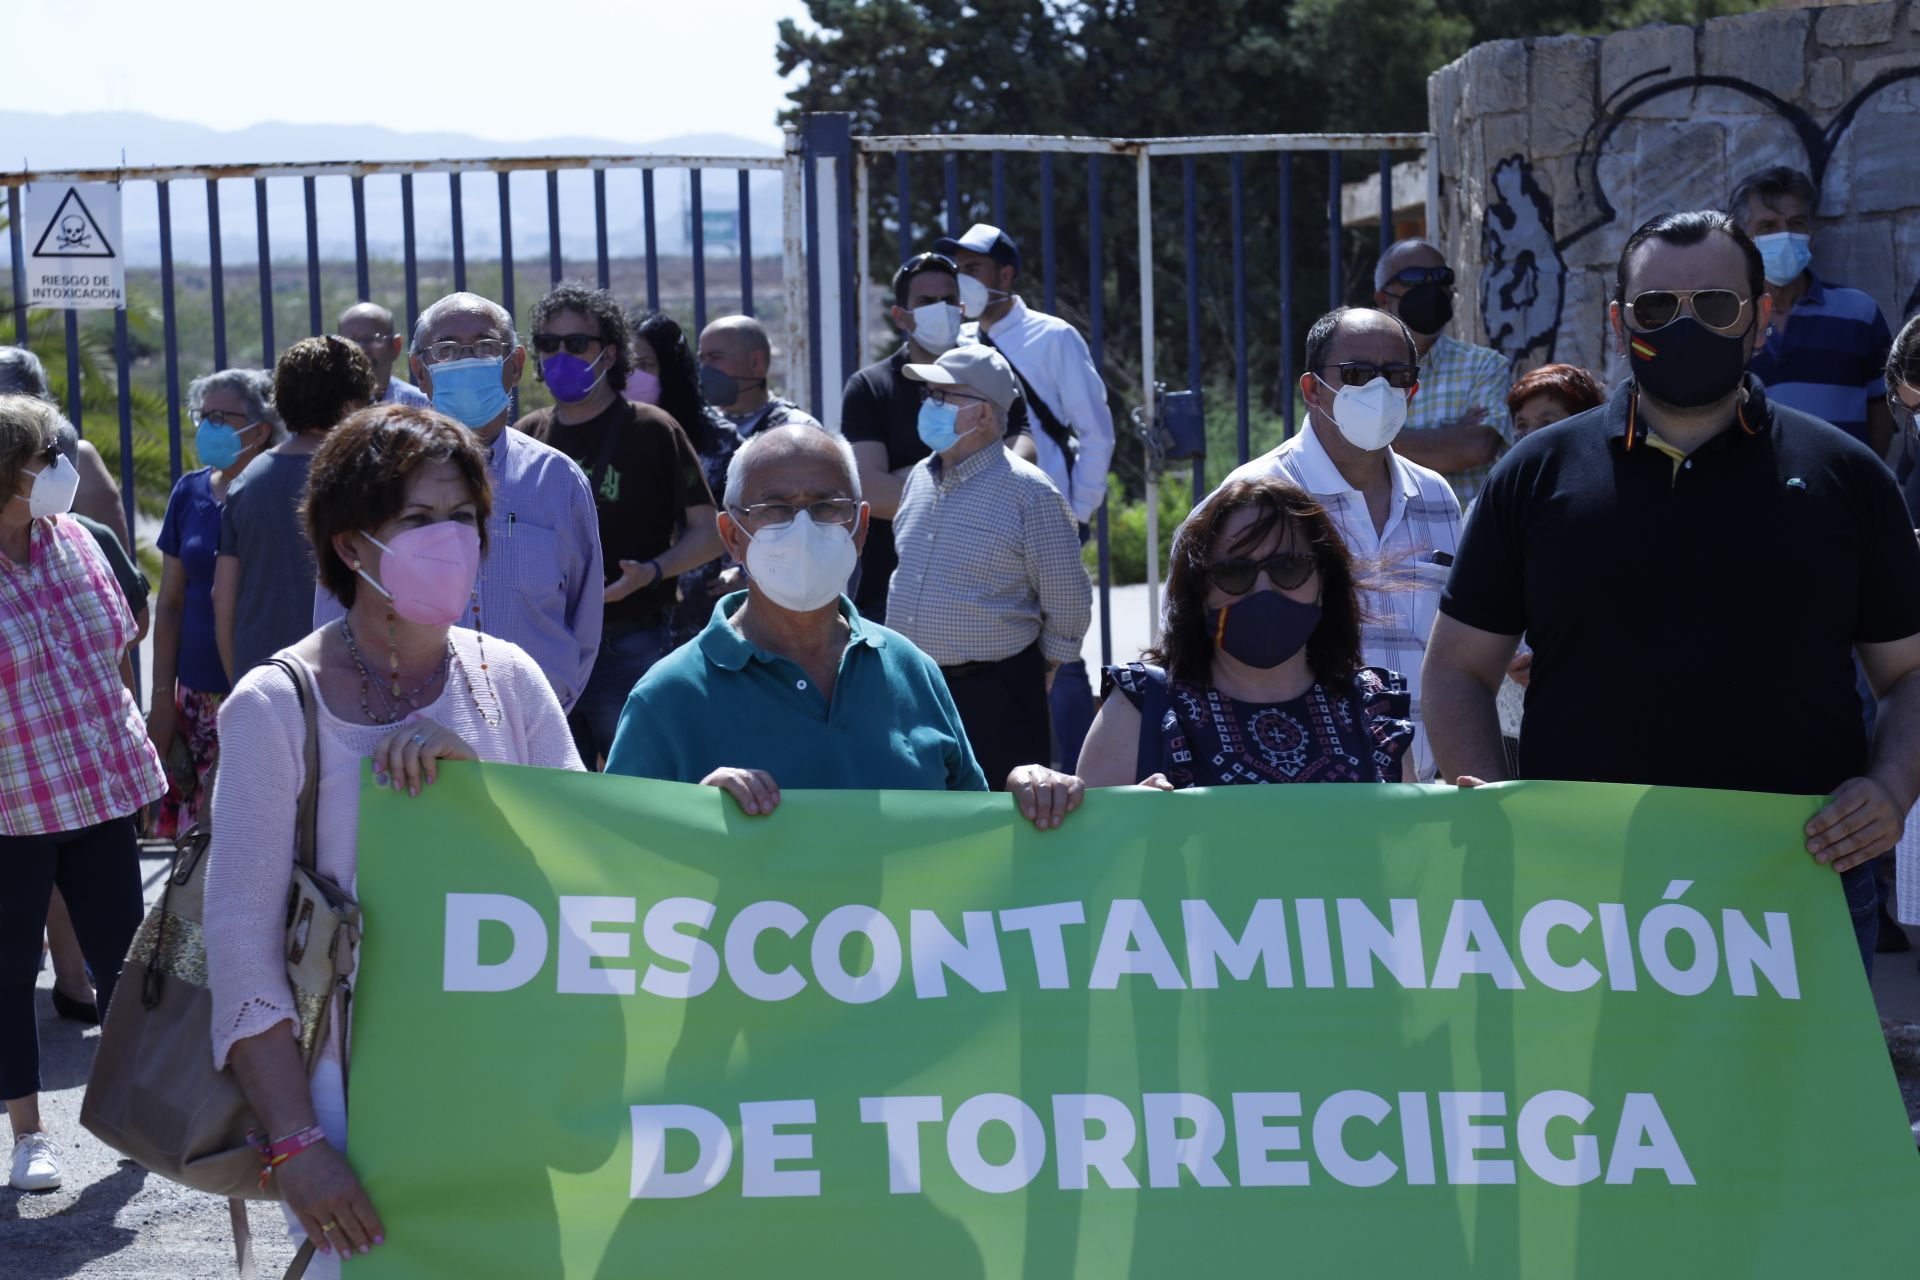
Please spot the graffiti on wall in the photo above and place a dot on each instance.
(1524, 273)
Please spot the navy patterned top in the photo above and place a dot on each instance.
(1205, 739)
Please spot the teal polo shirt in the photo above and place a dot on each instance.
(721, 702)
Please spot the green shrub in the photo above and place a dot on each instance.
(1127, 529)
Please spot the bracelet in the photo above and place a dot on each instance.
(658, 573)
(280, 1150)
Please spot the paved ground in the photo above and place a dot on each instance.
(112, 1219)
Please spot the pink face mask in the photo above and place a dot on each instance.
(642, 387)
(428, 572)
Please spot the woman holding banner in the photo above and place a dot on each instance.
(1257, 677)
(396, 509)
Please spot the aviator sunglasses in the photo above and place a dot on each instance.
(1714, 308)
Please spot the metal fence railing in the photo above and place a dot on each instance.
(161, 260)
(1225, 246)
(977, 181)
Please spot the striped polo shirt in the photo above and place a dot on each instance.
(1831, 359)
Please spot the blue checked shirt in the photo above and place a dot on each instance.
(540, 583)
(1455, 377)
(1422, 518)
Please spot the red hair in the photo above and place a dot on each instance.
(1569, 384)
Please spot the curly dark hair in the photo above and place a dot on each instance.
(596, 305)
(317, 379)
(1185, 648)
(679, 377)
(359, 479)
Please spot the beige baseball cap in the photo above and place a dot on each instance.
(975, 366)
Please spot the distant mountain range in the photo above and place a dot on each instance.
(97, 140)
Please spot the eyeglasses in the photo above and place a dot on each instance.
(372, 340)
(947, 395)
(223, 418)
(1358, 373)
(1286, 571)
(576, 343)
(1714, 308)
(1411, 276)
(484, 349)
(778, 515)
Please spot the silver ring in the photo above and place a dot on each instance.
(418, 739)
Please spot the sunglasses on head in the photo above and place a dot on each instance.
(1236, 576)
(1714, 308)
(1411, 276)
(575, 343)
(1358, 373)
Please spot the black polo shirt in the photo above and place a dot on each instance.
(1692, 622)
(882, 405)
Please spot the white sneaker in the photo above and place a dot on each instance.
(36, 1163)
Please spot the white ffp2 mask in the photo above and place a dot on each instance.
(1369, 417)
(53, 490)
(801, 565)
(936, 327)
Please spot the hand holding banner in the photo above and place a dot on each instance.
(607, 1026)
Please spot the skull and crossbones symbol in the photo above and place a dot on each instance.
(74, 233)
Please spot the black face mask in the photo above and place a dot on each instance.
(1427, 308)
(1264, 629)
(1685, 364)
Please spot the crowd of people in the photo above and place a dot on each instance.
(1704, 576)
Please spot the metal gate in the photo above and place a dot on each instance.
(834, 230)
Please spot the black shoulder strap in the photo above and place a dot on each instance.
(1060, 433)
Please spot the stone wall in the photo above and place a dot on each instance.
(1552, 150)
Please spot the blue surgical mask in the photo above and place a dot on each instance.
(1784, 254)
(217, 444)
(469, 391)
(936, 425)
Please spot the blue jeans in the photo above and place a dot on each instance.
(625, 656)
(1862, 886)
(1071, 701)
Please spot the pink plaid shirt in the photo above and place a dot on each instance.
(73, 748)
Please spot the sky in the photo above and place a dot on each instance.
(624, 69)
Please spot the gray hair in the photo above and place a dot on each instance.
(796, 439)
(21, 373)
(1394, 250)
(253, 386)
(28, 425)
(456, 304)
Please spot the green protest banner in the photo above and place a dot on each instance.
(608, 1028)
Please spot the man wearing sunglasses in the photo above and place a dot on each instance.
(880, 409)
(1695, 568)
(655, 510)
(990, 582)
(1362, 375)
(1825, 352)
(1459, 423)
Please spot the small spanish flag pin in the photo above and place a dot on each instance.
(1644, 349)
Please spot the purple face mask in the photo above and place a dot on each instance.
(570, 378)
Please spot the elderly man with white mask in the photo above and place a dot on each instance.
(1362, 373)
(789, 686)
(540, 583)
